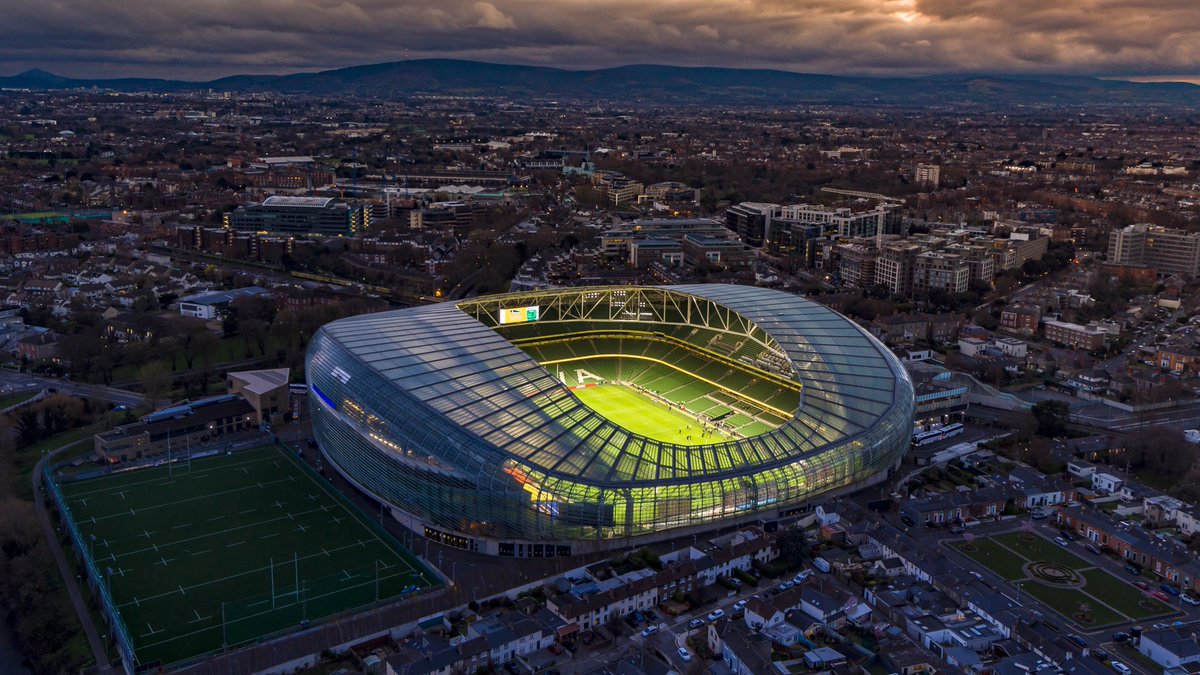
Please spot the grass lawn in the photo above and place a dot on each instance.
(645, 416)
(1041, 550)
(18, 397)
(1066, 601)
(994, 557)
(1123, 597)
(255, 536)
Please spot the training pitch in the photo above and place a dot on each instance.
(231, 549)
(650, 418)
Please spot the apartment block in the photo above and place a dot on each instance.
(1075, 335)
(937, 271)
(1170, 251)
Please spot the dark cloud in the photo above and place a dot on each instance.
(211, 38)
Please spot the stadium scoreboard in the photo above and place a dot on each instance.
(519, 315)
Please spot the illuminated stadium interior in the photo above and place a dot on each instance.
(565, 420)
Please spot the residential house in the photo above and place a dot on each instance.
(1171, 647)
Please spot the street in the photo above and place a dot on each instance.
(18, 381)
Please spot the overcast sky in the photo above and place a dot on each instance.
(202, 39)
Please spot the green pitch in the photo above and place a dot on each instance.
(647, 417)
(255, 531)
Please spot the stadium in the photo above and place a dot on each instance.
(564, 421)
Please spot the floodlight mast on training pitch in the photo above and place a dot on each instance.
(468, 419)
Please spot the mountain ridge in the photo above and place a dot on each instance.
(653, 84)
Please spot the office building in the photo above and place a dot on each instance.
(316, 216)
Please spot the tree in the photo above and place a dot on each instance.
(194, 339)
(155, 380)
(793, 547)
(1051, 417)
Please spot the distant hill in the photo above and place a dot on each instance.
(656, 84)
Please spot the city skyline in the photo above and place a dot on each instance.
(1108, 38)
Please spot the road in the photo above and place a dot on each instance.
(99, 653)
(18, 381)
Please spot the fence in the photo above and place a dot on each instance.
(116, 625)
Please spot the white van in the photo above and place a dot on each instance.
(822, 565)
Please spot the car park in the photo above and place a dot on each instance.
(715, 614)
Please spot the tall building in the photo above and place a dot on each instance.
(856, 265)
(1171, 251)
(938, 271)
(843, 221)
(749, 220)
(321, 216)
(928, 175)
(896, 265)
(758, 223)
(976, 257)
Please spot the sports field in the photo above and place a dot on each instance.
(1061, 579)
(232, 549)
(647, 417)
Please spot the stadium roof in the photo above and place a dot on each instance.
(467, 372)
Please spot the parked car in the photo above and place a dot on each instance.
(1091, 548)
(956, 529)
(1068, 535)
(715, 614)
(649, 630)
(1163, 597)
(1142, 585)
(695, 623)
(1077, 639)
(1190, 599)
(907, 521)
(650, 615)
(802, 575)
(739, 605)
(1120, 636)
(1169, 589)
(1039, 515)
(1100, 654)
(1134, 570)
(1121, 668)
(685, 655)
(1061, 542)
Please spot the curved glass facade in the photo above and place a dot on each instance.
(437, 412)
